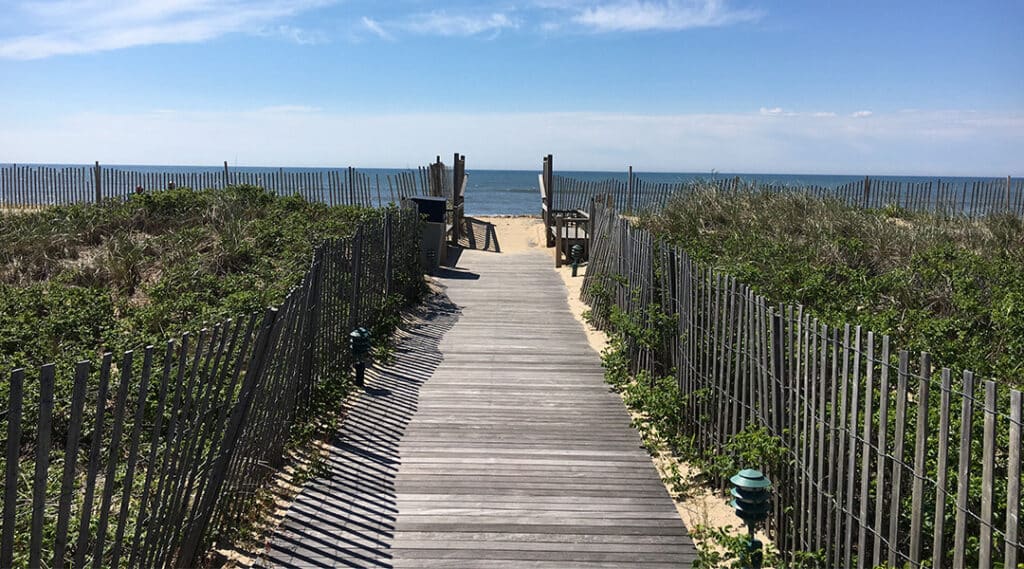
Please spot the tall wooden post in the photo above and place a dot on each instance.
(867, 191)
(548, 198)
(1008, 182)
(226, 174)
(458, 196)
(99, 182)
(629, 192)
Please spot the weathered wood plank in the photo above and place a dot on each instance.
(487, 443)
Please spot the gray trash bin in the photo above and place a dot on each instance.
(433, 248)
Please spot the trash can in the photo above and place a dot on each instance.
(432, 248)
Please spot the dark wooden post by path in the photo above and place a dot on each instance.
(226, 184)
(547, 199)
(99, 187)
(458, 196)
(867, 191)
(436, 179)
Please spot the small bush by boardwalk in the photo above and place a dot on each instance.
(491, 441)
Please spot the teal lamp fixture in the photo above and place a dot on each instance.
(576, 252)
(752, 500)
(361, 345)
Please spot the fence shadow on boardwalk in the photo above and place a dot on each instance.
(346, 517)
(480, 236)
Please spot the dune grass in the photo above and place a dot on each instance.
(81, 279)
(953, 287)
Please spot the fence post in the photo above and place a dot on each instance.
(388, 255)
(559, 224)
(629, 192)
(1008, 182)
(458, 196)
(226, 178)
(15, 395)
(357, 269)
(547, 176)
(777, 371)
(190, 548)
(867, 191)
(99, 183)
(312, 322)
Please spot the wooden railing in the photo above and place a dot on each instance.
(887, 459)
(156, 454)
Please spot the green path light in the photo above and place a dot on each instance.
(361, 344)
(576, 252)
(752, 500)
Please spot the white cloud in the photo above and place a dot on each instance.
(66, 27)
(375, 27)
(670, 15)
(296, 35)
(862, 114)
(771, 111)
(442, 23)
(924, 143)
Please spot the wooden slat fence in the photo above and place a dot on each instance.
(157, 453)
(889, 459)
(975, 198)
(28, 186)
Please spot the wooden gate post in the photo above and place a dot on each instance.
(548, 198)
(99, 183)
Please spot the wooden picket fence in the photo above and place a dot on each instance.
(888, 460)
(975, 198)
(157, 454)
(30, 186)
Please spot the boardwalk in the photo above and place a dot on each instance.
(491, 441)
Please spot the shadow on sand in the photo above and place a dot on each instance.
(480, 236)
(346, 516)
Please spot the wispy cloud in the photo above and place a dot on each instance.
(377, 29)
(862, 114)
(64, 27)
(441, 23)
(295, 35)
(666, 15)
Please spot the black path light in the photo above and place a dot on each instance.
(576, 252)
(752, 499)
(361, 344)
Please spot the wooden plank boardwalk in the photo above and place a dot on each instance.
(490, 441)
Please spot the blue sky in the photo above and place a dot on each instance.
(871, 87)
